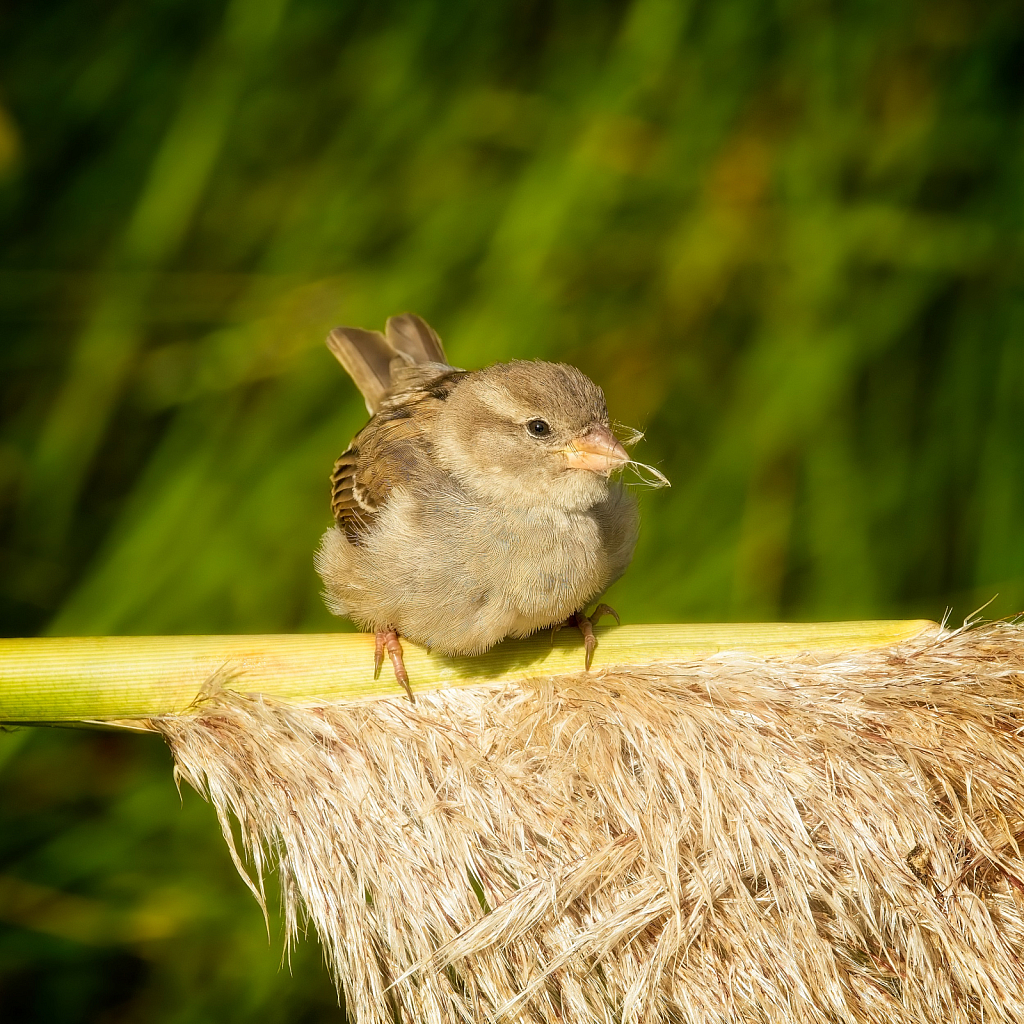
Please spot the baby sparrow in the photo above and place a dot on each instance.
(474, 505)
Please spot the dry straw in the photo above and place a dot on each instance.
(738, 837)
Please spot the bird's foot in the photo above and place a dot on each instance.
(387, 639)
(585, 624)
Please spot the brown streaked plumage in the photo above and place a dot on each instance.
(473, 505)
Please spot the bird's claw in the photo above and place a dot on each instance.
(604, 609)
(586, 627)
(387, 639)
(585, 624)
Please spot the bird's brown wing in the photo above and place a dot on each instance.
(348, 511)
(360, 487)
(383, 456)
(392, 450)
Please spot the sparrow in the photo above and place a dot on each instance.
(474, 505)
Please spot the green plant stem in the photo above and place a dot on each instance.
(69, 679)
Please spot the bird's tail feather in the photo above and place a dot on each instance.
(413, 337)
(370, 357)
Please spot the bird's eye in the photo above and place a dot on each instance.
(538, 428)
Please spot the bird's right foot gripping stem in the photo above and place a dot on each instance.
(585, 624)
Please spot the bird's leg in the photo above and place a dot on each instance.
(387, 639)
(585, 624)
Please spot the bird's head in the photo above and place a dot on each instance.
(529, 433)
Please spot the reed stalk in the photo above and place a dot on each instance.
(123, 678)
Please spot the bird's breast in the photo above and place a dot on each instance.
(459, 576)
(551, 561)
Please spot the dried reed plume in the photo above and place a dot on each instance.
(730, 839)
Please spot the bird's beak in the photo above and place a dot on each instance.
(596, 449)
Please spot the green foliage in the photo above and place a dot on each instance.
(119, 900)
(785, 237)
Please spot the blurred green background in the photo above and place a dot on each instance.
(786, 237)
